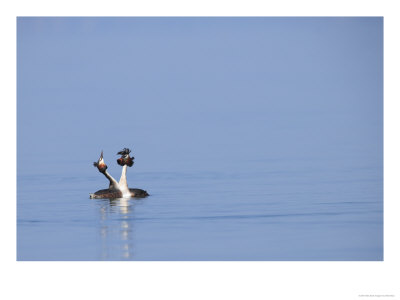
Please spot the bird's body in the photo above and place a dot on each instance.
(138, 193)
(117, 189)
(106, 193)
(113, 193)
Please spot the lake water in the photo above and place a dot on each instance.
(256, 210)
(257, 138)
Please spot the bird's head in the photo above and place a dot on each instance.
(125, 158)
(100, 164)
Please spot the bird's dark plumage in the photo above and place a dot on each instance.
(124, 151)
(114, 193)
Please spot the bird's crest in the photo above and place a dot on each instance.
(124, 151)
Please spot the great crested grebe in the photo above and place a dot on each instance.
(117, 189)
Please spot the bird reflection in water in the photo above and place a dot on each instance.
(116, 225)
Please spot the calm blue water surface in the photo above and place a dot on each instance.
(257, 138)
(255, 210)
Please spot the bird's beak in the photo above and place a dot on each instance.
(101, 155)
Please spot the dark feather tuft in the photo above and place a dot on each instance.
(124, 151)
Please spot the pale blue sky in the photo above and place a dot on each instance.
(194, 88)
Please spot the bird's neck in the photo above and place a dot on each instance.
(122, 181)
(113, 183)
